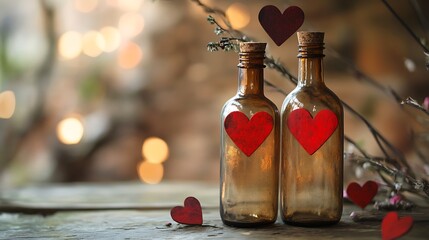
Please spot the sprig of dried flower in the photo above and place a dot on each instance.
(413, 103)
(404, 178)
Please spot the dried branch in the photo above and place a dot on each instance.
(405, 25)
(277, 89)
(355, 145)
(400, 164)
(413, 103)
(403, 182)
(421, 16)
(361, 76)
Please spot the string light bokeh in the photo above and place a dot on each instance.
(70, 130)
(7, 104)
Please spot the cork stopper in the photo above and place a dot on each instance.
(310, 38)
(246, 47)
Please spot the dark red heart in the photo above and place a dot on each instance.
(312, 133)
(247, 134)
(393, 227)
(362, 196)
(281, 26)
(190, 214)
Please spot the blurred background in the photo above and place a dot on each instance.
(118, 90)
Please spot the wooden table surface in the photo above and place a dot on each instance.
(140, 211)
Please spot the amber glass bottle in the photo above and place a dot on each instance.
(312, 143)
(249, 147)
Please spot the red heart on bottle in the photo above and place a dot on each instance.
(281, 26)
(247, 134)
(362, 196)
(190, 214)
(312, 133)
(393, 227)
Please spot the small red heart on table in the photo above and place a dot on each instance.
(281, 26)
(312, 133)
(190, 214)
(393, 227)
(362, 196)
(247, 134)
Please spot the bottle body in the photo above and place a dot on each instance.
(249, 166)
(312, 153)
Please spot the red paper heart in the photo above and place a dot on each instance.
(393, 227)
(362, 196)
(312, 133)
(281, 26)
(247, 134)
(190, 214)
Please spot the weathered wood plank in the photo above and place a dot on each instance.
(153, 225)
(151, 221)
(112, 195)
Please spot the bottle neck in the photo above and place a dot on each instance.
(310, 72)
(251, 74)
(310, 68)
(250, 81)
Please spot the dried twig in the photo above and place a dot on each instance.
(413, 103)
(405, 25)
(406, 183)
(399, 162)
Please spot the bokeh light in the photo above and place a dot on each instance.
(70, 130)
(238, 14)
(7, 104)
(131, 24)
(151, 173)
(112, 38)
(155, 150)
(85, 6)
(130, 55)
(410, 65)
(70, 45)
(93, 43)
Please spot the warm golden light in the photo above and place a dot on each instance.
(70, 45)
(130, 55)
(93, 43)
(129, 5)
(151, 173)
(238, 15)
(7, 104)
(70, 130)
(112, 38)
(85, 5)
(113, 3)
(131, 24)
(155, 150)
